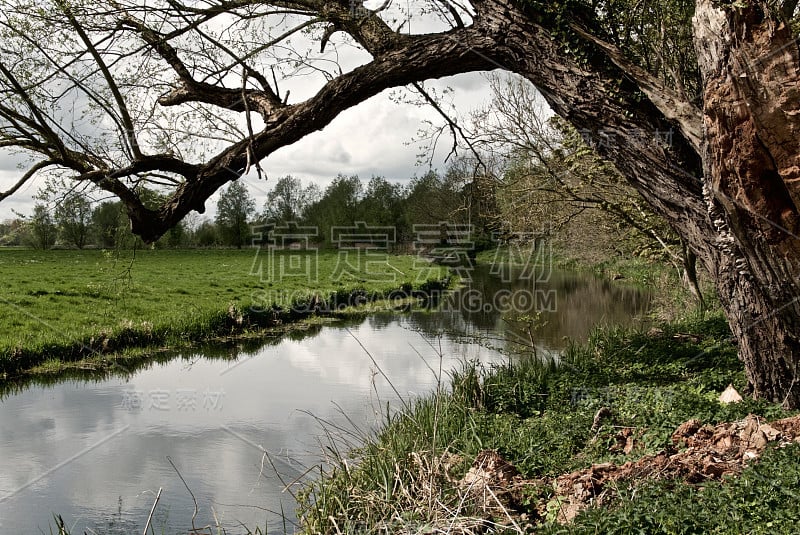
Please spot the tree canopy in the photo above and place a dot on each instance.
(234, 212)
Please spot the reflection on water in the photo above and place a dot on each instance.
(98, 451)
(570, 306)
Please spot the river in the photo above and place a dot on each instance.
(220, 421)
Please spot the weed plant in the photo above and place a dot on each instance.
(539, 416)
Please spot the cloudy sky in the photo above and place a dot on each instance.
(374, 138)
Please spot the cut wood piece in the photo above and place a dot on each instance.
(730, 395)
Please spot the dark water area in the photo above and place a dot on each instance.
(229, 415)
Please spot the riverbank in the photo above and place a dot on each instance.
(672, 295)
(97, 310)
(492, 450)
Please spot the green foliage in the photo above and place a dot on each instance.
(41, 229)
(73, 215)
(207, 235)
(382, 204)
(12, 232)
(430, 199)
(553, 183)
(337, 206)
(656, 35)
(288, 200)
(235, 208)
(110, 224)
(539, 417)
(556, 17)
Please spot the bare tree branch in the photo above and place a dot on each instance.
(127, 122)
(455, 128)
(30, 173)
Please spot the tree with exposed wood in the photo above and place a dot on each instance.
(187, 97)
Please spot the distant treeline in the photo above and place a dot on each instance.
(73, 220)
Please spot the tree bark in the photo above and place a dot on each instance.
(734, 198)
(751, 160)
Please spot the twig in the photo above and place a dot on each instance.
(378, 367)
(153, 510)
(297, 479)
(251, 157)
(455, 129)
(505, 510)
(194, 515)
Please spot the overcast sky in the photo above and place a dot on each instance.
(373, 138)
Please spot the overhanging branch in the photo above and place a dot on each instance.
(672, 104)
(25, 178)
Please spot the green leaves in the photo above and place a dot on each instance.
(235, 208)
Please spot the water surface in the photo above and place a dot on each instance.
(97, 452)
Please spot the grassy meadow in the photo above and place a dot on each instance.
(69, 304)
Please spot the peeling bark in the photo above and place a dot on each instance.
(751, 72)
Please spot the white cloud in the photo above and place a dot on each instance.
(373, 138)
(376, 136)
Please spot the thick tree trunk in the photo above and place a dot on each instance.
(765, 323)
(751, 72)
(732, 196)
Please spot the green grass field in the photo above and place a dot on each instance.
(61, 304)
